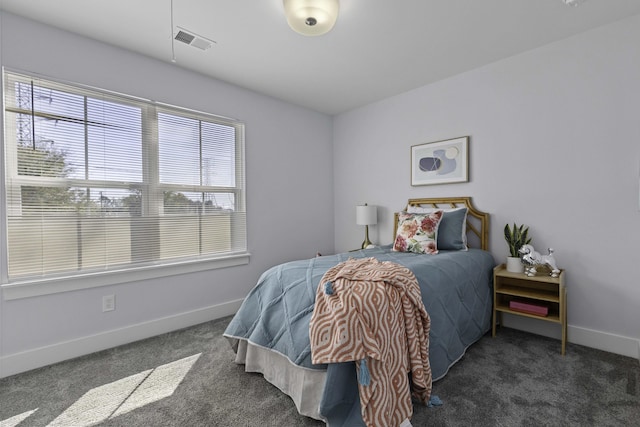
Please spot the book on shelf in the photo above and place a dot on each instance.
(527, 307)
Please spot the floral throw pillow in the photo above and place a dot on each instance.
(417, 232)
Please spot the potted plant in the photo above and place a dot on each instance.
(516, 238)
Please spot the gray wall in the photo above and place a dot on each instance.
(554, 143)
(281, 141)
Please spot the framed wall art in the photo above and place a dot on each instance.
(440, 162)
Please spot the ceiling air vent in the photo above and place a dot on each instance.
(192, 39)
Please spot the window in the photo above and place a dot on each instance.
(98, 182)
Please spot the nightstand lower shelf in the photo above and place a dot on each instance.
(549, 318)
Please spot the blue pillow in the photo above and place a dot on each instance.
(452, 231)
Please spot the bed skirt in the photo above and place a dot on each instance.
(305, 386)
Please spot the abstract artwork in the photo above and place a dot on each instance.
(440, 162)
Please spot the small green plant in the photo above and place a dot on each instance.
(516, 238)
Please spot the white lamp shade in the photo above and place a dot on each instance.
(366, 215)
(311, 17)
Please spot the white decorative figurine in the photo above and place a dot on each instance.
(531, 259)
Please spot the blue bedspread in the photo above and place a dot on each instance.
(456, 290)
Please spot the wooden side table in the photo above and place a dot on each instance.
(540, 291)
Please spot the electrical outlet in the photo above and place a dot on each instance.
(108, 303)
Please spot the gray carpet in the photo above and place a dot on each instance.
(188, 378)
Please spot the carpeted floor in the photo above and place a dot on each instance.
(188, 378)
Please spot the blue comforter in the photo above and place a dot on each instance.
(456, 290)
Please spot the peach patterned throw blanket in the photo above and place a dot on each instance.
(371, 312)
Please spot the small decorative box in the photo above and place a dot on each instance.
(526, 307)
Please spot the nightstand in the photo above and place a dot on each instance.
(538, 297)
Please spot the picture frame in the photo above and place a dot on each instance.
(440, 162)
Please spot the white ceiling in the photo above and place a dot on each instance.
(377, 49)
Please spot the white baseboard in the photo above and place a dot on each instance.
(612, 343)
(43, 356)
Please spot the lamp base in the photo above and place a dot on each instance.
(366, 242)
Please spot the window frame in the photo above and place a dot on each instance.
(21, 288)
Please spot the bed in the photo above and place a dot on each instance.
(270, 331)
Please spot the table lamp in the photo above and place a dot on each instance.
(366, 215)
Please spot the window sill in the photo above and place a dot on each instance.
(32, 288)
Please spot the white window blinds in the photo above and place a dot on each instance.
(97, 181)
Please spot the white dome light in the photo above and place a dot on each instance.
(311, 17)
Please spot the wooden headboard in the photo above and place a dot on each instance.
(477, 221)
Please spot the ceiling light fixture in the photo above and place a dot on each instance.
(573, 2)
(311, 17)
